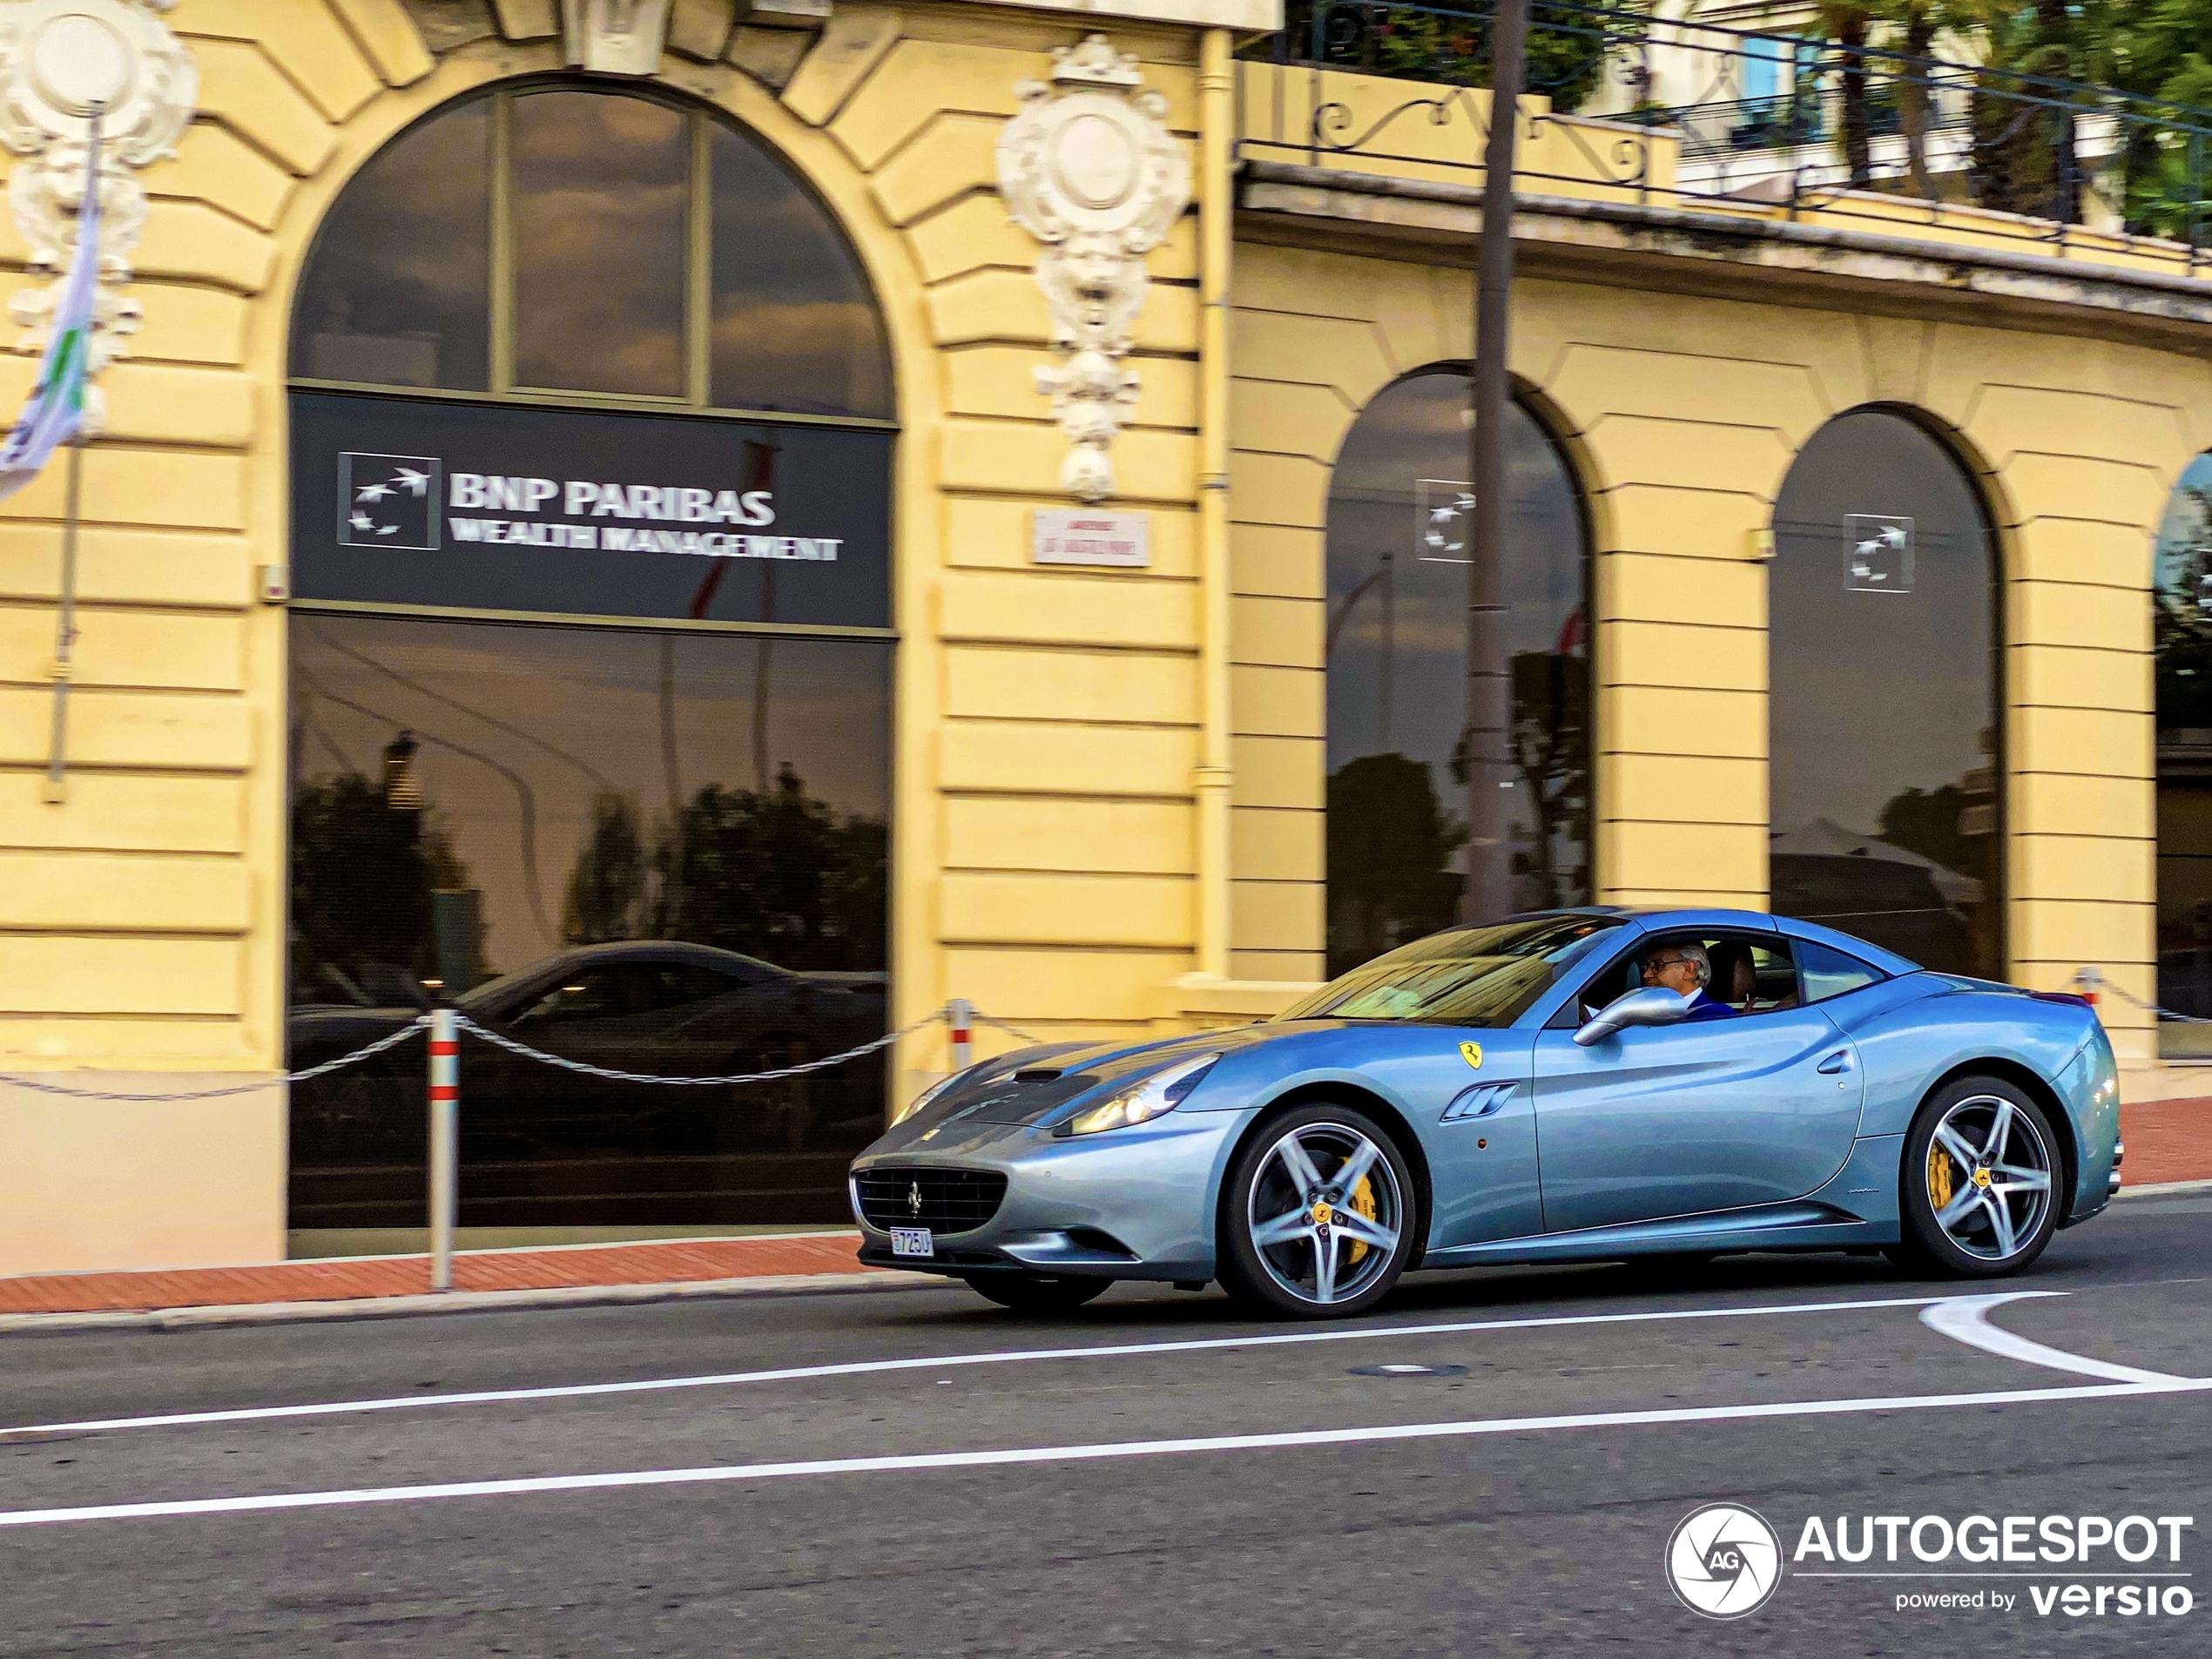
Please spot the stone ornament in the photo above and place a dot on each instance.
(615, 36)
(61, 61)
(1088, 168)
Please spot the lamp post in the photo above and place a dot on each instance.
(1483, 738)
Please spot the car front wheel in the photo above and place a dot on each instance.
(1317, 1216)
(1978, 1190)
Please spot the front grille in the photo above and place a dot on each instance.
(945, 1201)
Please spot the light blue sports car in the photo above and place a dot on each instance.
(1573, 1085)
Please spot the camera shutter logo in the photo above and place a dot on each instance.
(389, 501)
(1725, 1561)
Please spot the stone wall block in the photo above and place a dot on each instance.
(386, 34)
(855, 41)
(306, 39)
(241, 88)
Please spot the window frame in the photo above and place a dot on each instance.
(1570, 1016)
(701, 121)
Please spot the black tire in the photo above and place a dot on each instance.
(1266, 1276)
(1037, 1292)
(1991, 1202)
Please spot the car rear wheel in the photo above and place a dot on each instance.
(1037, 1292)
(1979, 1191)
(1317, 1216)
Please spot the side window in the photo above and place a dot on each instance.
(597, 994)
(1751, 974)
(1830, 973)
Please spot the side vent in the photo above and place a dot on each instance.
(1479, 1100)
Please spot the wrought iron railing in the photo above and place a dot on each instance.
(1746, 119)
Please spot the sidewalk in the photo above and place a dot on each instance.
(2168, 1141)
(492, 1278)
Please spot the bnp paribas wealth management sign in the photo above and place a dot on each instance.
(470, 506)
(395, 502)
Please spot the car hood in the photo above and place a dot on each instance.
(1030, 1084)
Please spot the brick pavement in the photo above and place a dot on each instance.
(684, 1262)
(2169, 1140)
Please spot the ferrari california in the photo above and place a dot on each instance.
(1570, 1086)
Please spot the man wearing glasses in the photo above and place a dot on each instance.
(1686, 970)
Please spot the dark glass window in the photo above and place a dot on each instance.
(795, 326)
(399, 291)
(1830, 973)
(1884, 706)
(653, 251)
(601, 199)
(659, 853)
(1395, 642)
(2182, 627)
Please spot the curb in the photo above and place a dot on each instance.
(400, 1307)
(2162, 1189)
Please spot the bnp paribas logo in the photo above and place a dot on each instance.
(389, 501)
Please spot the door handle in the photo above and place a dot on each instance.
(1836, 1064)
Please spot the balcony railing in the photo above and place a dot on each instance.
(1697, 116)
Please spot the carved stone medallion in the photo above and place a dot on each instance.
(1090, 169)
(62, 62)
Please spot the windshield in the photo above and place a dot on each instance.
(1485, 976)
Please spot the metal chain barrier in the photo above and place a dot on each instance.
(2091, 983)
(376, 1048)
(1001, 1025)
(522, 1050)
(609, 1074)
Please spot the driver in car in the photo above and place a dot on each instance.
(1686, 970)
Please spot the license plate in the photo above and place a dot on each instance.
(913, 1241)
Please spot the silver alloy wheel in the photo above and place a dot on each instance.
(1305, 1216)
(1988, 1177)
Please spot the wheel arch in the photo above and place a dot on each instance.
(1395, 1122)
(2037, 1089)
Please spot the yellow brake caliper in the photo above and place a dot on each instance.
(1941, 1175)
(1363, 1200)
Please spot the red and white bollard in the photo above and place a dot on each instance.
(960, 1016)
(445, 1161)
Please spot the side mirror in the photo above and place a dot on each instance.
(1653, 1005)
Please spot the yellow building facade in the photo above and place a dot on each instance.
(1107, 784)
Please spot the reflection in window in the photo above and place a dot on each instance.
(600, 190)
(1883, 704)
(2183, 638)
(398, 292)
(598, 197)
(1396, 650)
(795, 326)
(657, 853)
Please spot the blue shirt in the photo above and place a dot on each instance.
(1703, 1007)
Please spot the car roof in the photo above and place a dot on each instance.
(1664, 919)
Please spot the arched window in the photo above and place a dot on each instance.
(554, 239)
(1397, 667)
(2181, 635)
(1884, 715)
(590, 665)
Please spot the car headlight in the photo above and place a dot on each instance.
(1162, 1092)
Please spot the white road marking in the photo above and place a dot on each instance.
(866, 1368)
(529, 1486)
(1965, 1318)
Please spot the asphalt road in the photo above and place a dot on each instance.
(1231, 1496)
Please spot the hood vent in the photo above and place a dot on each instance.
(1035, 1074)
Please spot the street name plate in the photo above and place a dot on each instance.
(1092, 538)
